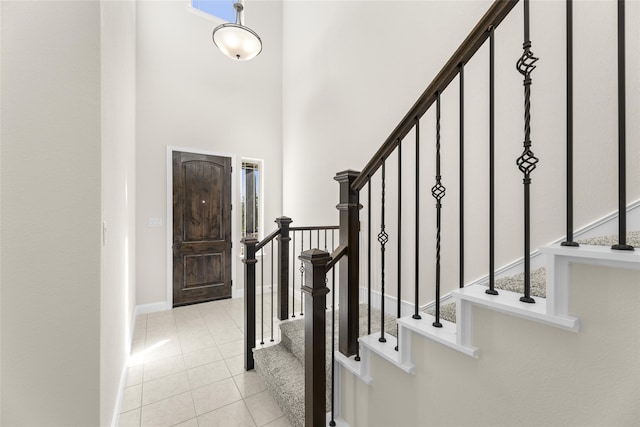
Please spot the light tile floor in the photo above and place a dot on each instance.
(187, 369)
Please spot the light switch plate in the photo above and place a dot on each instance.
(155, 222)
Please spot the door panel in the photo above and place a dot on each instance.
(201, 228)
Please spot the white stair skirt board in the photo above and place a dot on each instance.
(559, 259)
(509, 303)
(447, 335)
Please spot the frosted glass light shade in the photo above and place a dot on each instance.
(237, 41)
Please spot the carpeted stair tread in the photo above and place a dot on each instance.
(283, 375)
(512, 284)
(633, 239)
(292, 331)
(281, 366)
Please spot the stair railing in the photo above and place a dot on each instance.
(486, 29)
(281, 273)
(352, 182)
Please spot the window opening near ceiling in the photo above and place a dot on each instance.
(222, 9)
(250, 198)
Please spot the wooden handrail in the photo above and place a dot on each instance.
(267, 239)
(493, 17)
(336, 255)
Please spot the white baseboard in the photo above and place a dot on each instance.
(237, 293)
(152, 307)
(390, 303)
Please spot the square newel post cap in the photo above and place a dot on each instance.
(283, 220)
(250, 254)
(315, 262)
(348, 175)
(249, 241)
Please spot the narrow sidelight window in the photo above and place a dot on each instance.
(250, 197)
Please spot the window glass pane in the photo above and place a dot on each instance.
(250, 199)
(222, 9)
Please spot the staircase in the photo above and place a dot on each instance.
(281, 366)
(510, 362)
(554, 345)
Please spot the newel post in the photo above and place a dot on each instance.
(249, 300)
(283, 267)
(349, 274)
(315, 380)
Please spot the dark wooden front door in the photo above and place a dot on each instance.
(201, 228)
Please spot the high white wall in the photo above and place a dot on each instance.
(51, 142)
(353, 69)
(118, 291)
(190, 95)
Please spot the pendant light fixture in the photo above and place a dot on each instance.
(235, 40)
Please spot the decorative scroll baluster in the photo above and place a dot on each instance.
(527, 161)
(492, 166)
(293, 274)
(569, 241)
(622, 126)
(369, 257)
(271, 340)
(399, 238)
(416, 315)
(301, 274)
(383, 238)
(438, 192)
(461, 168)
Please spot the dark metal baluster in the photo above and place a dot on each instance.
(527, 160)
(569, 241)
(325, 240)
(369, 258)
(301, 274)
(332, 423)
(333, 282)
(325, 246)
(416, 315)
(492, 167)
(622, 126)
(461, 175)
(262, 296)
(271, 290)
(383, 238)
(293, 273)
(399, 238)
(438, 192)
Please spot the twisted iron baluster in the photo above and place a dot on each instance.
(527, 161)
(438, 192)
(383, 238)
